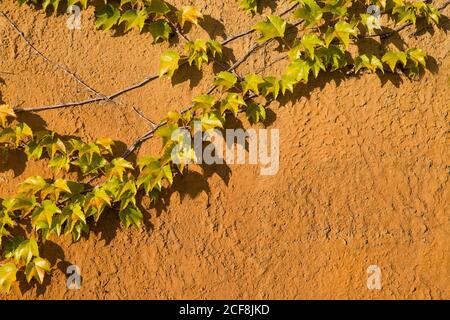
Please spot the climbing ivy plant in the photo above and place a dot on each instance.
(316, 39)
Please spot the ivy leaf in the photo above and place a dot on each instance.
(287, 83)
(405, 13)
(32, 185)
(8, 273)
(23, 203)
(134, 18)
(309, 42)
(343, 30)
(25, 251)
(160, 30)
(11, 246)
(96, 203)
(317, 65)
(197, 52)
(214, 47)
(22, 131)
(168, 63)
(105, 144)
(204, 102)
(37, 269)
(188, 14)
(165, 132)
(83, 3)
(211, 121)
(368, 61)
(225, 79)
(131, 215)
(53, 3)
(249, 5)
(255, 112)
(117, 168)
(60, 162)
(90, 165)
(159, 7)
(417, 56)
(252, 82)
(127, 193)
(371, 22)
(393, 57)
(274, 27)
(333, 56)
(310, 12)
(270, 86)
(107, 17)
(299, 70)
(232, 102)
(5, 111)
(75, 220)
(151, 174)
(42, 216)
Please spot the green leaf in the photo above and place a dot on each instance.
(197, 52)
(160, 30)
(255, 112)
(405, 13)
(37, 269)
(134, 18)
(204, 102)
(368, 61)
(8, 273)
(11, 246)
(131, 215)
(165, 132)
(60, 162)
(273, 27)
(391, 58)
(214, 47)
(117, 168)
(232, 102)
(225, 79)
(299, 70)
(211, 121)
(26, 250)
(42, 216)
(417, 56)
(249, 5)
(168, 63)
(32, 185)
(107, 17)
(159, 7)
(252, 83)
(343, 30)
(270, 86)
(309, 42)
(310, 11)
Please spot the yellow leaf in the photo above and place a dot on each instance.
(190, 14)
(5, 111)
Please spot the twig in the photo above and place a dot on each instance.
(43, 56)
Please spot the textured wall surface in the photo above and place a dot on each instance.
(363, 177)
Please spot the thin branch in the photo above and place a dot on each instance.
(43, 56)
